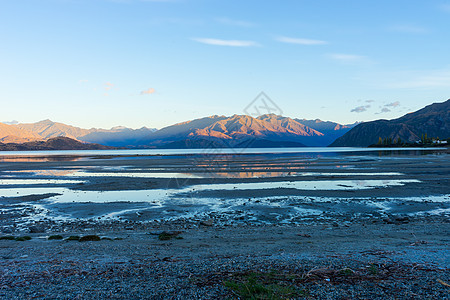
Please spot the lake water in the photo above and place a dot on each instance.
(323, 150)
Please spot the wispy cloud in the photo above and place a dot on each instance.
(409, 29)
(83, 81)
(228, 21)
(393, 104)
(300, 41)
(109, 86)
(148, 91)
(445, 7)
(229, 43)
(388, 107)
(422, 79)
(360, 109)
(348, 58)
(370, 101)
(383, 111)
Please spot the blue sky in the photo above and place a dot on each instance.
(102, 63)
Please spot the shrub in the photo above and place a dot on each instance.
(90, 238)
(23, 238)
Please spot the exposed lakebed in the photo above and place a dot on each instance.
(230, 188)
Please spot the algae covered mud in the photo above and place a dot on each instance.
(228, 186)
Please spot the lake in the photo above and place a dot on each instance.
(324, 150)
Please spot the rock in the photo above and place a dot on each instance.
(388, 221)
(304, 235)
(156, 232)
(7, 230)
(208, 222)
(402, 220)
(36, 229)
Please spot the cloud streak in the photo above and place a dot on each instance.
(228, 43)
(148, 91)
(300, 41)
(434, 79)
(109, 86)
(409, 29)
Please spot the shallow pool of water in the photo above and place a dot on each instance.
(6, 182)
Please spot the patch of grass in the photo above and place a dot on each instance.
(262, 286)
(7, 237)
(347, 271)
(55, 237)
(90, 238)
(73, 238)
(373, 270)
(23, 238)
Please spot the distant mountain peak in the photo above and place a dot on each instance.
(119, 128)
(46, 121)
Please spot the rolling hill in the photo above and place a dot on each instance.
(57, 143)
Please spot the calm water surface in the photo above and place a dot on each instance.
(324, 150)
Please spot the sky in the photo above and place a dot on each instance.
(153, 63)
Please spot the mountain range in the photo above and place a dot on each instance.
(215, 131)
(243, 131)
(239, 131)
(432, 120)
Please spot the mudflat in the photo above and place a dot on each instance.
(293, 226)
